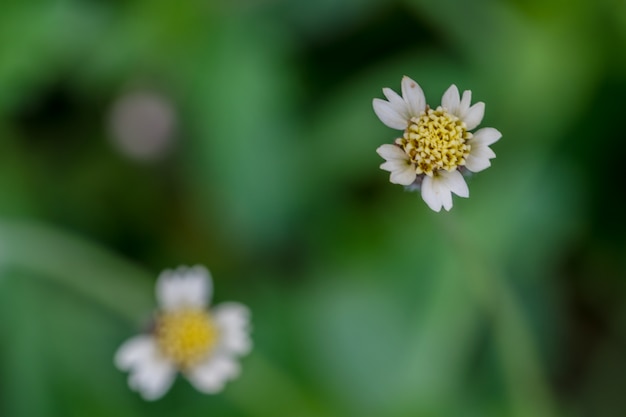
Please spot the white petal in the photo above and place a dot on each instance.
(394, 165)
(437, 190)
(134, 352)
(474, 115)
(150, 373)
(398, 104)
(389, 115)
(485, 136)
(446, 198)
(153, 379)
(480, 153)
(184, 287)
(453, 181)
(392, 152)
(431, 194)
(451, 101)
(397, 162)
(404, 175)
(483, 152)
(210, 376)
(414, 96)
(233, 321)
(466, 101)
(475, 164)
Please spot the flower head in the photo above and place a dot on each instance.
(189, 338)
(437, 145)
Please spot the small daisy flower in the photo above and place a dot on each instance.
(189, 338)
(437, 145)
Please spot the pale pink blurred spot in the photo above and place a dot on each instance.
(142, 125)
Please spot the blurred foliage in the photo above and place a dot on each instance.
(365, 302)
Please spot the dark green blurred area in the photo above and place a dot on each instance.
(365, 303)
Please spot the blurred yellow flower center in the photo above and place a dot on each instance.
(186, 336)
(435, 140)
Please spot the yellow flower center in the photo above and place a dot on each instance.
(186, 336)
(435, 140)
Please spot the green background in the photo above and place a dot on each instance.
(365, 302)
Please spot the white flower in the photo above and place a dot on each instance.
(202, 344)
(437, 144)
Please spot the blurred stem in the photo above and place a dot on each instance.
(518, 353)
(528, 386)
(77, 264)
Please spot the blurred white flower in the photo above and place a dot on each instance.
(437, 143)
(189, 338)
